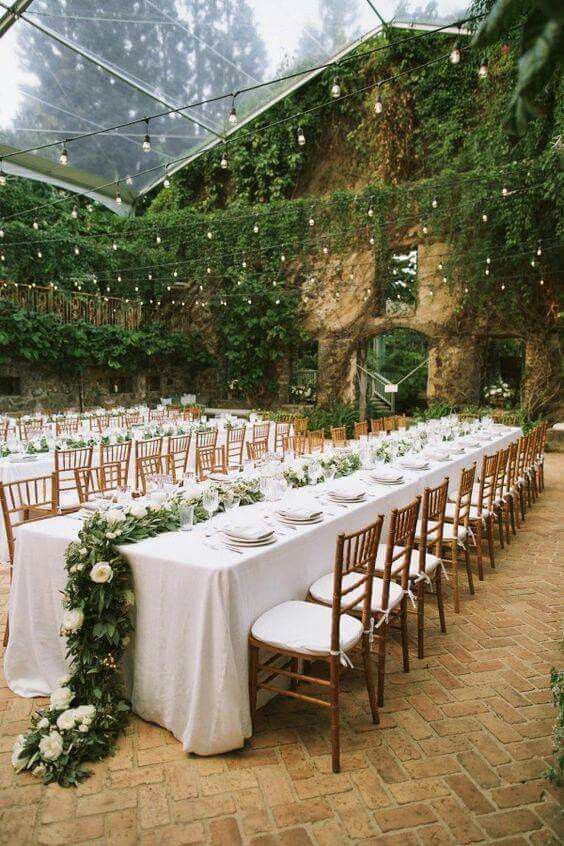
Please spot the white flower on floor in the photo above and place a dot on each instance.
(51, 746)
(61, 698)
(137, 510)
(114, 516)
(101, 572)
(66, 720)
(39, 770)
(73, 618)
(17, 762)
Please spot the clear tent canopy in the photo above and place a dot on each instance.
(69, 67)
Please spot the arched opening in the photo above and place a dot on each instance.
(397, 358)
(504, 363)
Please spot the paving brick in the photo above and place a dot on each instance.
(408, 816)
(511, 822)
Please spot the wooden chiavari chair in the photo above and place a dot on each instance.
(500, 504)
(145, 466)
(315, 440)
(260, 432)
(521, 480)
(300, 425)
(177, 455)
(256, 449)
(117, 454)
(539, 454)
(280, 429)
(23, 502)
(4, 428)
(70, 426)
(210, 460)
(206, 438)
(455, 534)
(400, 421)
(102, 422)
(143, 449)
(426, 561)
(30, 429)
(339, 436)
(377, 425)
(531, 468)
(66, 462)
(389, 424)
(296, 444)
(194, 412)
(234, 447)
(97, 480)
(132, 420)
(512, 494)
(360, 429)
(321, 631)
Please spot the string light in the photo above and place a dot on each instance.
(504, 191)
(378, 105)
(64, 156)
(301, 137)
(2, 175)
(503, 287)
(541, 281)
(233, 113)
(224, 164)
(370, 212)
(425, 229)
(158, 239)
(209, 234)
(311, 221)
(39, 254)
(484, 218)
(114, 245)
(336, 89)
(1, 233)
(166, 180)
(483, 71)
(455, 53)
(435, 203)
(147, 139)
(35, 225)
(255, 229)
(76, 250)
(74, 213)
(539, 249)
(118, 196)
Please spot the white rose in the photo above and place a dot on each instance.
(73, 618)
(66, 720)
(61, 698)
(137, 510)
(112, 535)
(17, 762)
(114, 516)
(83, 550)
(39, 770)
(101, 572)
(83, 727)
(63, 681)
(51, 746)
(85, 712)
(43, 723)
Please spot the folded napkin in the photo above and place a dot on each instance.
(385, 475)
(300, 510)
(414, 462)
(437, 453)
(348, 491)
(248, 531)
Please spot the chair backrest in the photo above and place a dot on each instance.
(27, 500)
(97, 480)
(315, 440)
(389, 424)
(145, 466)
(31, 428)
(234, 445)
(355, 553)
(400, 421)
(260, 431)
(206, 438)
(531, 448)
(541, 430)
(151, 446)
(117, 454)
(101, 422)
(280, 429)
(463, 498)
(399, 544)
(339, 436)
(66, 462)
(433, 507)
(377, 424)
(133, 420)
(294, 443)
(210, 459)
(4, 427)
(177, 455)
(300, 425)
(512, 465)
(360, 429)
(69, 426)
(488, 477)
(501, 473)
(256, 449)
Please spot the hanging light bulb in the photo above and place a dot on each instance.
(175, 273)
(224, 164)
(336, 89)
(119, 277)
(440, 266)
(504, 191)
(503, 287)
(484, 218)
(435, 203)
(370, 212)
(483, 71)
(35, 225)
(76, 250)
(243, 263)
(166, 180)
(39, 254)
(541, 281)
(114, 245)
(2, 174)
(277, 302)
(282, 258)
(539, 250)
(488, 260)
(129, 180)
(146, 139)
(533, 262)
(158, 239)
(255, 228)
(64, 156)
(378, 105)
(487, 271)
(89, 207)
(311, 221)
(150, 277)
(209, 234)
(233, 113)
(250, 302)
(455, 54)
(301, 137)
(1, 233)
(118, 196)
(371, 241)
(425, 229)
(74, 213)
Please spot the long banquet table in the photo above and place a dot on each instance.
(187, 664)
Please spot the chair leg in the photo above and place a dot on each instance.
(489, 529)
(294, 669)
(477, 528)
(454, 556)
(367, 659)
(507, 521)
(421, 619)
(253, 678)
(469, 570)
(499, 519)
(404, 639)
(440, 600)
(513, 514)
(522, 502)
(382, 637)
(335, 740)
(6, 632)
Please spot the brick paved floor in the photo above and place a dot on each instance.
(458, 757)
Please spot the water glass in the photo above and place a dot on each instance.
(186, 515)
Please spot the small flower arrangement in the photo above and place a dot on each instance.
(303, 393)
(498, 393)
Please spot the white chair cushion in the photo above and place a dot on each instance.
(305, 627)
(322, 591)
(453, 495)
(474, 513)
(448, 531)
(431, 561)
(69, 499)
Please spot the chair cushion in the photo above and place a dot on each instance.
(474, 513)
(69, 499)
(322, 591)
(448, 531)
(452, 497)
(304, 627)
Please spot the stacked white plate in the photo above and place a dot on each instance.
(20, 458)
(413, 463)
(347, 494)
(248, 535)
(438, 454)
(386, 477)
(300, 513)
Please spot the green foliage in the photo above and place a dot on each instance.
(555, 772)
(332, 415)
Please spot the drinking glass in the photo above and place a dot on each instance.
(189, 478)
(210, 502)
(186, 515)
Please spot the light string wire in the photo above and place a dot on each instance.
(234, 94)
(241, 134)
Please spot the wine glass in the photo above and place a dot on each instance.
(210, 503)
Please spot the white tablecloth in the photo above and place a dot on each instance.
(194, 610)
